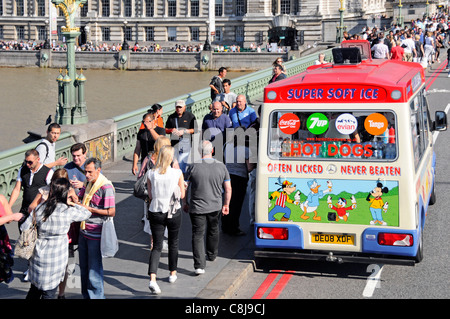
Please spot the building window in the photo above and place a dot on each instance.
(149, 8)
(42, 32)
(172, 8)
(41, 8)
(1, 32)
(1, 13)
(219, 36)
(285, 7)
(241, 7)
(195, 34)
(84, 10)
(149, 34)
(239, 34)
(171, 34)
(106, 34)
(127, 8)
(19, 8)
(105, 8)
(128, 33)
(195, 8)
(218, 8)
(20, 32)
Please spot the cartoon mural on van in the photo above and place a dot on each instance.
(371, 202)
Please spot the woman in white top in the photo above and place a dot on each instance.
(165, 188)
(429, 48)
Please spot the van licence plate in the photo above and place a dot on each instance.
(339, 239)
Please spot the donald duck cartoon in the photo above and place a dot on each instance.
(312, 202)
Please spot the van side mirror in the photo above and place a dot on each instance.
(440, 121)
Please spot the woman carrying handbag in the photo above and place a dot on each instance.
(164, 211)
(50, 256)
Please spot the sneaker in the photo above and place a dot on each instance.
(172, 278)
(154, 288)
(199, 271)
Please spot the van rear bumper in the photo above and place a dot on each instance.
(338, 257)
(370, 251)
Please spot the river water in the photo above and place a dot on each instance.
(29, 95)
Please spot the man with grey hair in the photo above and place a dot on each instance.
(98, 196)
(206, 179)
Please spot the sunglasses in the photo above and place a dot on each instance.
(29, 162)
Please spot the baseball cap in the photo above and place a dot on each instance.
(180, 103)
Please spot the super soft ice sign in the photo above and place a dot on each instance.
(337, 94)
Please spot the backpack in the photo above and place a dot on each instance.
(140, 187)
(46, 147)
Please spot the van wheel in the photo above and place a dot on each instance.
(419, 256)
(432, 197)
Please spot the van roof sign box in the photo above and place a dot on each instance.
(346, 55)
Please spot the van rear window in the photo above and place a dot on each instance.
(346, 135)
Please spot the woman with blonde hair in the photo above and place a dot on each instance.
(165, 186)
(148, 164)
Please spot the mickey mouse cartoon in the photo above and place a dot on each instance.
(377, 205)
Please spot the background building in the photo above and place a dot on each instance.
(170, 22)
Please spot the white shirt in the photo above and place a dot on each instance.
(44, 156)
(162, 188)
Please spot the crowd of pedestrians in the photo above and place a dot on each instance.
(71, 201)
(421, 41)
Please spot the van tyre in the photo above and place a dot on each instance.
(432, 196)
(419, 255)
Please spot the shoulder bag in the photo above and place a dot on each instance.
(27, 241)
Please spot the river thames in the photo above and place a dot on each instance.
(29, 95)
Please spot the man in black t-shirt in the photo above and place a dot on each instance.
(216, 84)
(146, 139)
(181, 125)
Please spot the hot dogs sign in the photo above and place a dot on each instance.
(337, 136)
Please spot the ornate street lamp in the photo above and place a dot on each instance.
(341, 28)
(70, 112)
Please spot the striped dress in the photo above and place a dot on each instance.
(51, 254)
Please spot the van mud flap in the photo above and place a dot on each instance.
(337, 257)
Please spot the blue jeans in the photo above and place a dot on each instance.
(91, 268)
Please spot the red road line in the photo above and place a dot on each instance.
(280, 285)
(435, 74)
(265, 285)
(277, 289)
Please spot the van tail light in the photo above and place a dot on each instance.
(273, 233)
(391, 239)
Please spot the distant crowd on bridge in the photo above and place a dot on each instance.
(421, 41)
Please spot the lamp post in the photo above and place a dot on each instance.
(340, 33)
(427, 12)
(70, 112)
(400, 17)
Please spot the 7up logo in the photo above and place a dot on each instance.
(317, 123)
